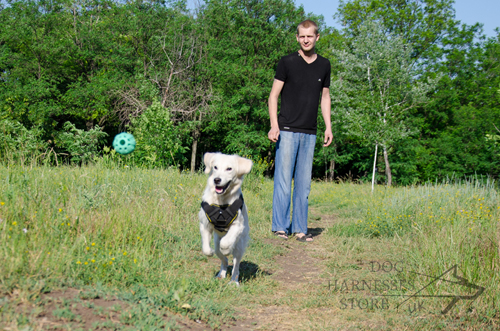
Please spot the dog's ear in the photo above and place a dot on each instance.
(244, 166)
(207, 159)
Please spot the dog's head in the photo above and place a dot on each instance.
(226, 171)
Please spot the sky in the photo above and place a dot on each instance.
(467, 11)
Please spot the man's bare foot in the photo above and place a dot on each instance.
(304, 237)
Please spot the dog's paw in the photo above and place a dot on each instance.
(208, 252)
(225, 247)
(221, 275)
(235, 282)
(225, 250)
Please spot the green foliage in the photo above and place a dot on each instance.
(376, 87)
(242, 68)
(157, 139)
(80, 145)
(99, 64)
(421, 24)
(18, 143)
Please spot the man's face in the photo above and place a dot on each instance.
(307, 38)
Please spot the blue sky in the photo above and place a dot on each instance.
(467, 11)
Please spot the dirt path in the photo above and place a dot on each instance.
(296, 270)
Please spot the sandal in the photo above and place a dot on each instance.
(281, 235)
(305, 237)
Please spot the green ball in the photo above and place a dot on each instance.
(124, 143)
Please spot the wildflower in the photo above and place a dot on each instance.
(14, 223)
(93, 261)
(2, 203)
(25, 230)
(86, 263)
(93, 244)
(78, 262)
(110, 262)
(124, 253)
(87, 248)
(60, 210)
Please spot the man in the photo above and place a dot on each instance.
(302, 78)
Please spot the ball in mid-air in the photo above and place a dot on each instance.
(124, 143)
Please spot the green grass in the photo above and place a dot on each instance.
(133, 234)
(130, 229)
(430, 228)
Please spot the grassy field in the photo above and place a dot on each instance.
(113, 247)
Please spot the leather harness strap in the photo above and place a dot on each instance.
(222, 216)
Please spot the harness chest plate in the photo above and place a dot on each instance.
(222, 216)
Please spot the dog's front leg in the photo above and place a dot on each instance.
(206, 235)
(236, 270)
(223, 260)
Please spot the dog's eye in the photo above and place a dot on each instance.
(215, 167)
(229, 169)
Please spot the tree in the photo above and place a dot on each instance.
(171, 47)
(420, 23)
(377, 88)
(246, 39)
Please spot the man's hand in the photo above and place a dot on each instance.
(273, 134)
(328, 138)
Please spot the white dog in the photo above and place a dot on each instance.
(223, 211)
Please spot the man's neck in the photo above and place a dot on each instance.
(308, 56)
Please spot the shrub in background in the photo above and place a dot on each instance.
(19, 144)
(158, 140)
(81, 145)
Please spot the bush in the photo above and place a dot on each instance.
(158, 140)
(18, 143)
(82, 146)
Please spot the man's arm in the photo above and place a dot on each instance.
(274, 133)
(326, 108)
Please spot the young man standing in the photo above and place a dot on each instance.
(303, 79)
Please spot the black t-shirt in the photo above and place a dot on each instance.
(301, 92)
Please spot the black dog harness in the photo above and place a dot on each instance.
(222, 216)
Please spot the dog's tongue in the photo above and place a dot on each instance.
(219, 189)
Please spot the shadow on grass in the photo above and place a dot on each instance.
(315, 231)
(248, 271)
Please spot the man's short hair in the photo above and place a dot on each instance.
(306, 25)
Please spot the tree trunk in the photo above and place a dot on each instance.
(89, 124)
(331, 171)
(388, 172)
(374, 165)
(194, 148)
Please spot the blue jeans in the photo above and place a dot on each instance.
(294, 159)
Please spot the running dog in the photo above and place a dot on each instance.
(223, 211)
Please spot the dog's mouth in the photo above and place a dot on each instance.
(221, 189)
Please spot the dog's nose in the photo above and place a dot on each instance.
(217, 181)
